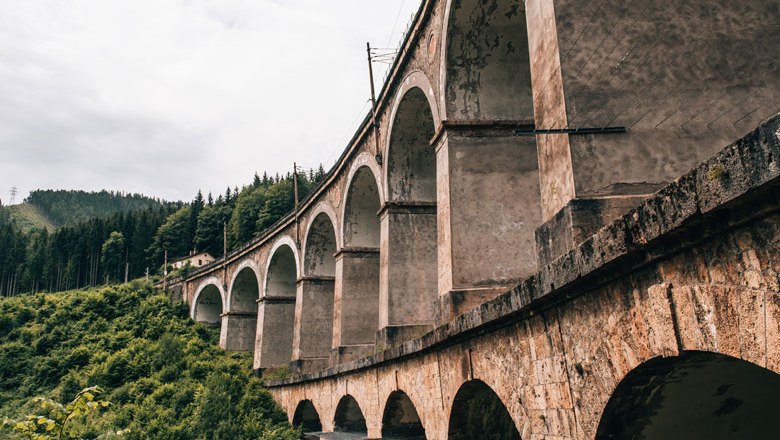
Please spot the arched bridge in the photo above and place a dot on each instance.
(564, 223)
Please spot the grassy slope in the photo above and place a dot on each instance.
(30, 217)
(164, 374)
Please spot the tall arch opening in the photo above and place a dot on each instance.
(276, 310)
(306, 416)
(244, 292)
(239, 323)
(488, 63)
(361, 224)
(695, 396)
(409, 271)
(411, 160)
(314, 302)
(489, 176)
(400, 419)
(477, 412)
(349, 417)
(355, 317)
(208, 306)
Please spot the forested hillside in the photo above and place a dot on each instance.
(124, 245)
(67, 208)
(164, 374)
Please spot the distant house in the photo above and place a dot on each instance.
(194, 260)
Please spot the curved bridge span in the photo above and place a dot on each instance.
(541, 237)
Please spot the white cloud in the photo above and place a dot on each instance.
(167, 96)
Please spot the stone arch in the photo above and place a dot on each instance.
(320, 244)
(239, 322)
(409, 271)
(694, 395)
(485, 70)
(478, 412)
(349, 417)
(400, 419)
(362, 201)
(412, 125)
(315, 293)
(244, 288)
(282, 268)
(208, 302)
(356, 299)
(306, 416)
(328, 210)
(276, 307)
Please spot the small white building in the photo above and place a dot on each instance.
(194, 260)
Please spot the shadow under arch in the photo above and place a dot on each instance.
(400, 419)
(478, 413)
(349, 417)
(698, 395)
(207, 307)
(306, 416)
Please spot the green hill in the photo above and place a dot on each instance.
(29, 217)
(67, 208)
(164, 374)
(51, 209)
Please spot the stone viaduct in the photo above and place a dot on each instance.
(565, 223)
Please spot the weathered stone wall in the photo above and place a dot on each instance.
(694, 268)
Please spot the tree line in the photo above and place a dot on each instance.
(125, 245)
(63, 207)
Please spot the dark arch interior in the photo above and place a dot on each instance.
(400, 419)
(320, 248)
(361, 223)
(478, 413)
(208, 308)
(307, 417)
(349, 417)
(695, 396)
(282, 274)
(244, 292)
(412, 161)
(488, 64)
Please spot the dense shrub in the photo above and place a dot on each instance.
(165, 375)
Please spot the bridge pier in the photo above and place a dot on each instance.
(238, 331)
(488, 209)
(356, 304)
(622, 75)
(313, 323)
(407, 278)
(275, 317)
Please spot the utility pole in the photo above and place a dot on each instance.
(377, 151)
(295, 191)
(14, 192)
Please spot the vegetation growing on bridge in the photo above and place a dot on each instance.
(164, 374)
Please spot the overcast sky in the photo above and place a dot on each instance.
(165, 97)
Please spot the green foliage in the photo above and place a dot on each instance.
(112, 254)
(210, 232)
(174, 235)
(70, 257)
(56, 424)
(165, 375)
(74, 257)
(243, 223)
(68, 208)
